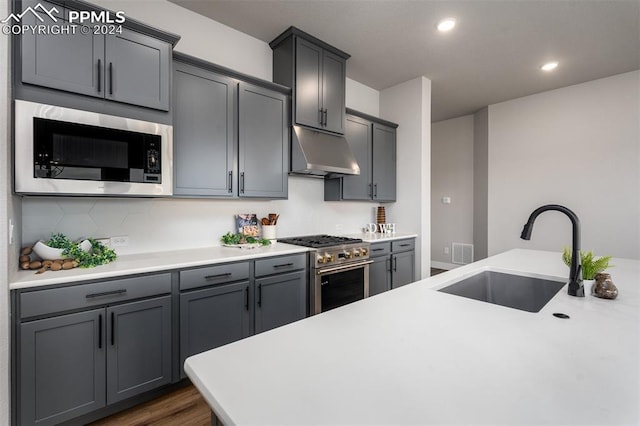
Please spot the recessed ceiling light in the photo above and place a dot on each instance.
(446, 24)
(549, 66)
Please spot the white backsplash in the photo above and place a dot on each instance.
(161, 224)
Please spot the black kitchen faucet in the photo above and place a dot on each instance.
(576, 288)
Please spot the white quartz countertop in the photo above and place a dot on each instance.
(417, 356)
(152, 262)
(377, 237)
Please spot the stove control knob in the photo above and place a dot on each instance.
(328, 258)
(356, 252)
(348, 255)
(364, 251)
(320, 259)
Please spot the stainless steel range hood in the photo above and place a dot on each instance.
(320, 154)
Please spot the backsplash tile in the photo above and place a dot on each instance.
(161, 224)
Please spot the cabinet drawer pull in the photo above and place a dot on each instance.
(284, 265)
(111, 78)
(405, 245)
(106, 293)
(100, 331)
(113, 328)
(377, 249)
(99, 75)
(215, 277)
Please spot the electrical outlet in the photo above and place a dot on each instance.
(104, 241)
(446, 250)
(121, 241)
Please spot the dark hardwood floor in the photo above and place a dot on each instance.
(436, 271)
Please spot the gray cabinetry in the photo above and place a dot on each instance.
(224, 303)
(70, 364)
(217, 311)
(393, 266)
(402, 262)
(123, 65)
(203, 132)
(62, 367)
(374, 145)
(316, 72)
(231, 138)
(263, 142)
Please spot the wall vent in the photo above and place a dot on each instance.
(462, 254)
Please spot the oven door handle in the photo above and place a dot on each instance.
(343, 267)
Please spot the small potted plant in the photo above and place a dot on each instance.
(590, 265)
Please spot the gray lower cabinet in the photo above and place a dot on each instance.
(212, 317)
(280, 300)
(124, 66)
(373, 144)
(223, 303)
(231, 138)
(393, 265)
(71, 364)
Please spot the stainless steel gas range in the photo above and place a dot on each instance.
(339, 270)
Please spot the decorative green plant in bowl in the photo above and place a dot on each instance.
(590, 265)
(88, 253)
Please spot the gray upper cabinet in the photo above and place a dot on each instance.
(128, 67)
(137, 69)
(384, 163)
(373, 143)
(263, 142)
(203, 132)
(316, 72)
(231, 138)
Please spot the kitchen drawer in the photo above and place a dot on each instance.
(277, 265)
(211, 275)
(380, 249)
(403, 245)
(43, 302)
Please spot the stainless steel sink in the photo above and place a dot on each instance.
(514, 291)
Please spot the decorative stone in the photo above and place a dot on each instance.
(604, 287)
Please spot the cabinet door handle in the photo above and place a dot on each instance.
(215, 277)
(375, 189)
(230, 183)
(242, 182)
(321, 116)
(113, 328)
(100, 331)
(325, 116)
(111, 78)
(106, 293)
(99, 75)
(284, 265)
(259, 294)
(246, 298)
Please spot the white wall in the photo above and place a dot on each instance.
(451, 176)
(6, 254)
(409, 105)
(480, 183)
(165, 224)
(578, 146)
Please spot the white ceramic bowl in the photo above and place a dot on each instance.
(48, 253)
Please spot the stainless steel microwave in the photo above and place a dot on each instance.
(66, 151)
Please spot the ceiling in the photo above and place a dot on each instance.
(492, 55)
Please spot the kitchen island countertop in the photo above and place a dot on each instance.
(414, 355)
(151, 263)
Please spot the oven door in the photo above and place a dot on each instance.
(339, 285)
